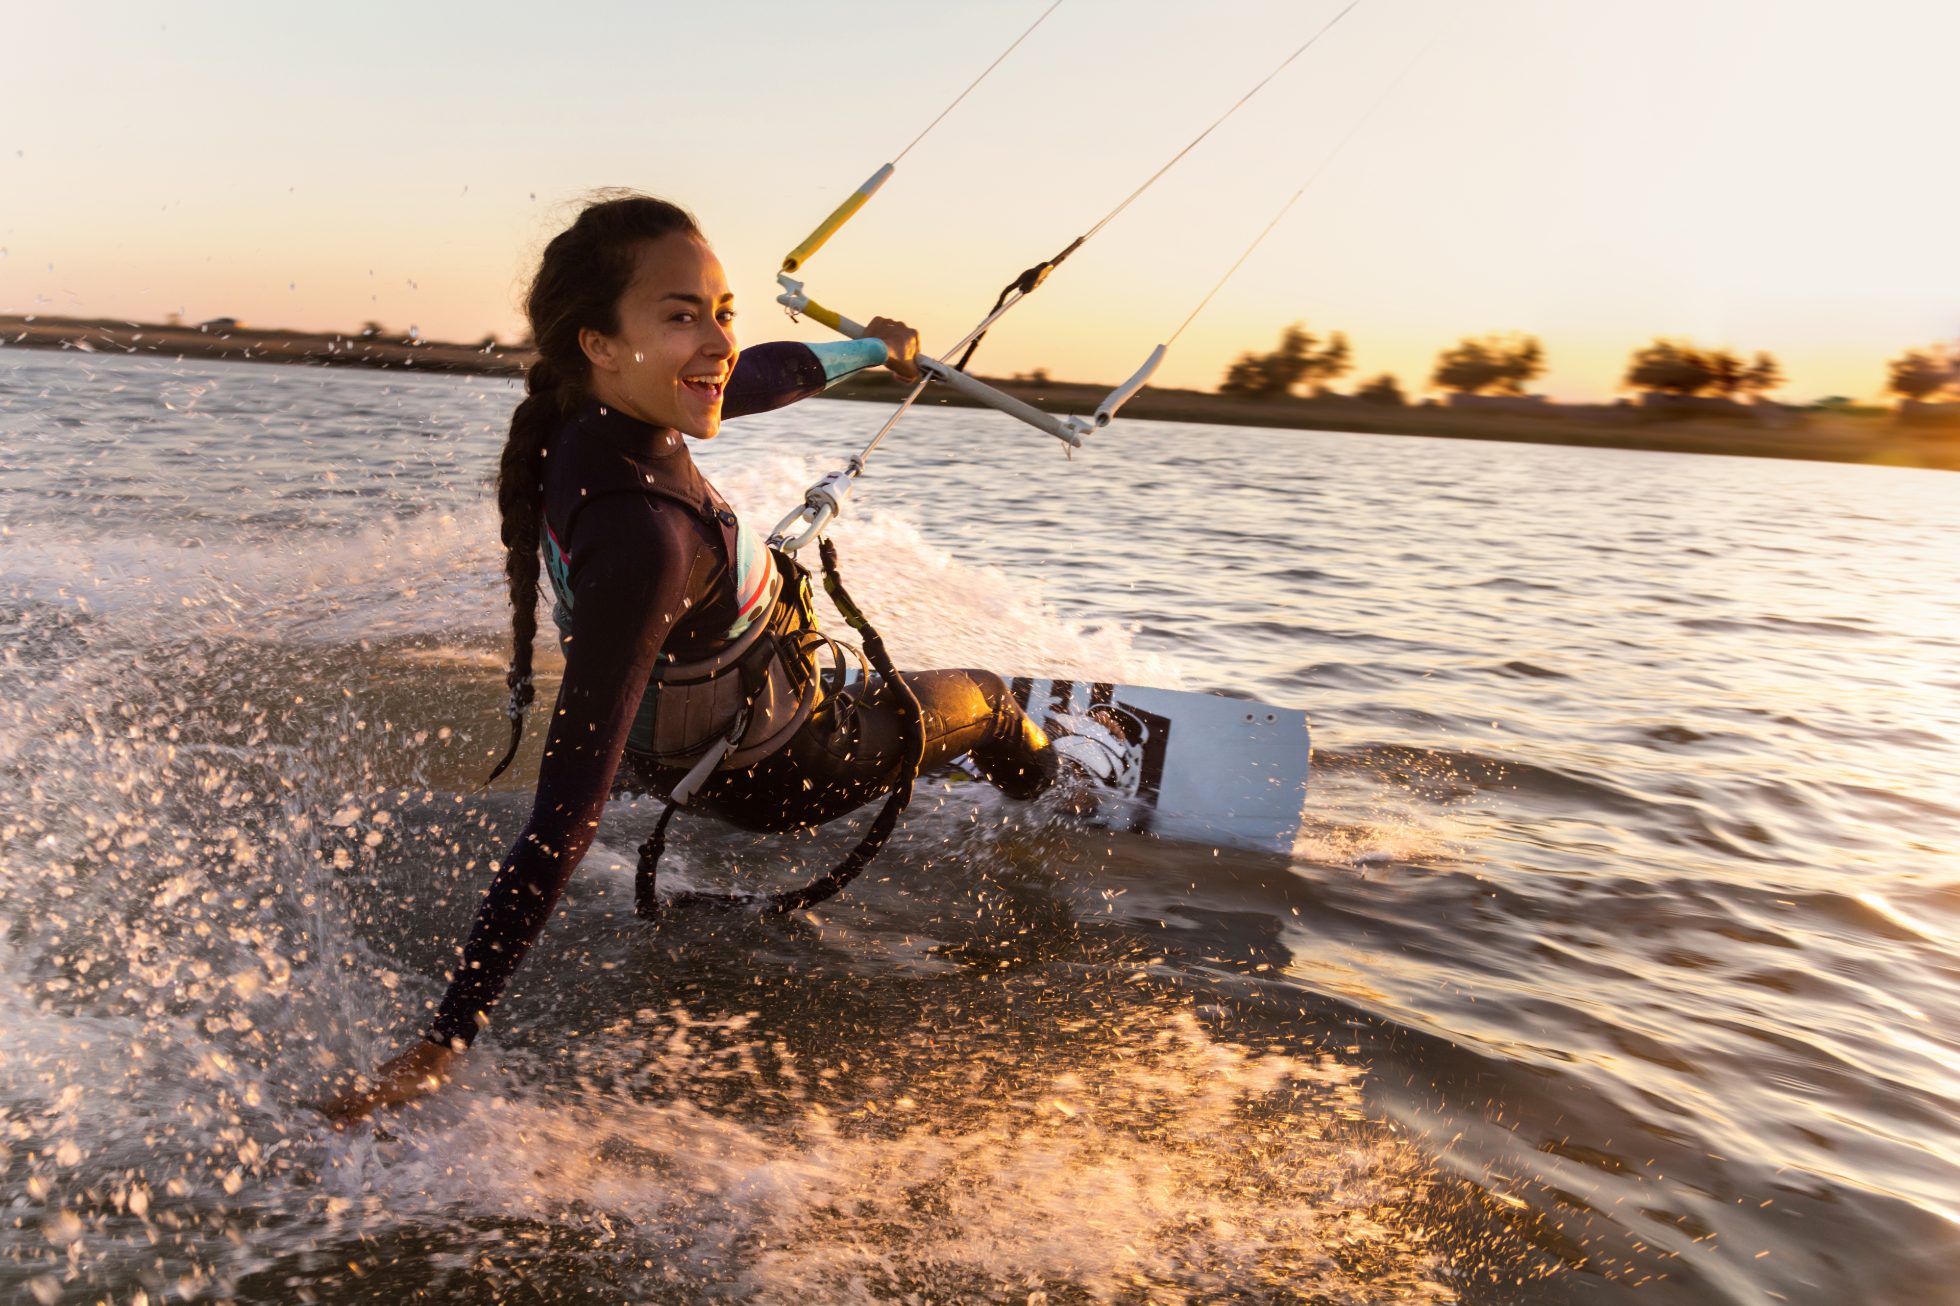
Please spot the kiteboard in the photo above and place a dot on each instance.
(1177, 765)
(1174, 764)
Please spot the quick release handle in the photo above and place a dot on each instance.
(821, 504)
(838, 217)
(812, 520)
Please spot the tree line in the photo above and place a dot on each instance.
(1925, 375)
(1504, 364)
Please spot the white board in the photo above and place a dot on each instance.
(1212, 770)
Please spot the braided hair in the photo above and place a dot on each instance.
(584, 271)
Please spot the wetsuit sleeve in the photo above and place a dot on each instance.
(771, 376)
(626, 599)
(780, 373)
(842, 358)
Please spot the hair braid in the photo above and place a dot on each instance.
(520, 504)
(585, 269)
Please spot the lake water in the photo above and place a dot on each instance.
(1615, 962)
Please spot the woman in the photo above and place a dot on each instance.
(686, 645)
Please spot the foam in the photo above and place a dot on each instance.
(1162, 1158)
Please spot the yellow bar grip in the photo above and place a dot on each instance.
(839, 216)
(834, 321)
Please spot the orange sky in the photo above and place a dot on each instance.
(1752, 174)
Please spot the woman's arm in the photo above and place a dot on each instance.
(782, 372)
(625, 608)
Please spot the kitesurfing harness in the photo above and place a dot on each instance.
(646, 899)
(744, 697)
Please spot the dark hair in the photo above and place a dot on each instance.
(584, 271)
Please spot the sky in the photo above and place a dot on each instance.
(1757, 174)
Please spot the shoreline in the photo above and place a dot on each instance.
(1864, 438)
(253, 344)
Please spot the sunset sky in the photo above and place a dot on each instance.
(1746, 173)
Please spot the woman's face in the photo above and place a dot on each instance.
(670, 359)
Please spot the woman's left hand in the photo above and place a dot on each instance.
(901, 346)
(422, 1069)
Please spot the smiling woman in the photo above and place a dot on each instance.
(690, 648)
(670, 357)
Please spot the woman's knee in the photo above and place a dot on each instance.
(962, 699)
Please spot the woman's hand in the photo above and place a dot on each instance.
(422, 1069)
(901, 346)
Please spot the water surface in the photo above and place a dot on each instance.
(1615, 961)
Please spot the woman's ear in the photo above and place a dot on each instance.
(598, 349)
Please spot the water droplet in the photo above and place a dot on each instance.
(61, 1228)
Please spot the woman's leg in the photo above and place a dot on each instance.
(849, 753)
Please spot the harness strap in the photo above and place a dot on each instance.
(646, 899)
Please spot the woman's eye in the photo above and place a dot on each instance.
(682, 317)
(726, 315)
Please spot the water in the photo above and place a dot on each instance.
(1615, 961)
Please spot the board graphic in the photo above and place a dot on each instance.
(1195, 768)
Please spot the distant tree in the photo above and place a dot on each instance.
(1678, 367)
(1466, 369)
(1299, 359)
(1724, 372)
(488, 342)
(1246, 376)
(1337, 359)
(1494, 363)
(1383, 389)
(372, 330)
(1525, 365)
(1763, 375)
(1672, 367)
(1291, 363)
(1922, 373)
(1039, 376)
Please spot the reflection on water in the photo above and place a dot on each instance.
(1614, 962)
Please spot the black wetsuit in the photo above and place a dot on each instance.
(648, 575)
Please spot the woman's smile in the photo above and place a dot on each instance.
(707, 386)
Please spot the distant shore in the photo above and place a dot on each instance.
(1874, 437)
(211, 340)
